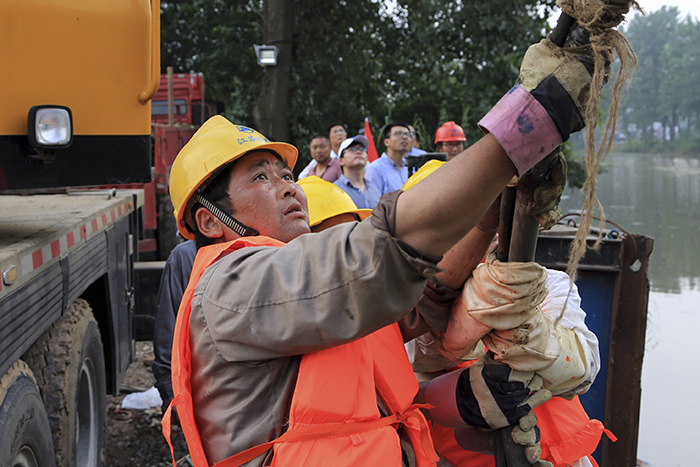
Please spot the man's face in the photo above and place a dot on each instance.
(354, 156)
(414, 140)
(320, 149)
(452, 148)
(337, 135)
(265, 197)
(399, 139)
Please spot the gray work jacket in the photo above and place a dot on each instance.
(257, 310)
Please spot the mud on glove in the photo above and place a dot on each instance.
(497, 295)
(540, 345)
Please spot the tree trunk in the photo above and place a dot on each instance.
(270, 112)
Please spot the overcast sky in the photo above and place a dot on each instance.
(686, 7)
(691, 7)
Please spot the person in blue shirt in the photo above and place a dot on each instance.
(176, 275)
(353, 159)
(415, 143)
(390, 172)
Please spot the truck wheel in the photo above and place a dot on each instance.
(68, 363)
(25, 433)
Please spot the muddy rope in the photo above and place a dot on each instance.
(600, 17)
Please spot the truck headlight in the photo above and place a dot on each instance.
(50, 126)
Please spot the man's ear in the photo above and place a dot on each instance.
(341, 159)
(208, 224)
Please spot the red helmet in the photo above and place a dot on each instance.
(449, 131)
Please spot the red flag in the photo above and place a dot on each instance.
(372, 150)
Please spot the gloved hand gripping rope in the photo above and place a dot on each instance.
(559, 87)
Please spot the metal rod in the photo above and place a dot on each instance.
(505, 226)
(171, 110)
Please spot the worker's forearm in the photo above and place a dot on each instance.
(459, 262)
(436, 213)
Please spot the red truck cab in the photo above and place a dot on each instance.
(188, 100)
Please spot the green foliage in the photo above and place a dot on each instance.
(337, 67)
(216, 37)
(453, 60)
(665, 88)
(576, 173)
(424, 61)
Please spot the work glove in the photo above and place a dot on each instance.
(544, 204)
(525, 433)
(497, 295)
(552, 351)
(502, 295)
(545, 106)
(487, 395)
(495, 396)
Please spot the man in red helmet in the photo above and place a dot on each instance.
(450, 139)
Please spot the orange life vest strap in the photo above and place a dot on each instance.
(180, 360)
(311, 433)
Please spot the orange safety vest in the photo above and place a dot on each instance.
(566, 434)
(333, 416)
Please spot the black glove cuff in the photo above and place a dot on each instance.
(467, 404)
(555, 99)
(506, 396)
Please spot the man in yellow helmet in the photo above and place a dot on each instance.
(284, 340)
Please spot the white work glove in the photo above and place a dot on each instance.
(546, 105)
(544, 204)
(496, 296)
(503, 295)
(553, 352)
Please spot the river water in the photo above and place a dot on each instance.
(659, 195)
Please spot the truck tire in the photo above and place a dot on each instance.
(25, 433)
(68, 362)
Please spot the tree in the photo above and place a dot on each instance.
(649, 36)
(679, 90)
(216, 37)
(457, 58)
(271, 110)
(421, 61)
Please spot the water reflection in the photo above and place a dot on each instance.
(659, 196)
(668, 431)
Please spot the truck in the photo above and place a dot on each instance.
(170, 132)
(178, 109)
(188, 100)
(75, 112)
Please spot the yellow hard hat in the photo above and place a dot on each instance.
(428, 168)
(327, 200)
(217, 143)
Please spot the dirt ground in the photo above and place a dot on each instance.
(134, 437)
